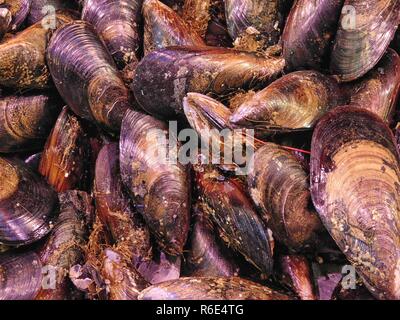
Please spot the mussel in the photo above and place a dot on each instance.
(5, 21)
(197, 14)
(294, 102)
(217, 32)
(115, 210)
(122, 281)
(22, 58)
(40, 9)
(86, 77)
(355, 178)
(64, 159)
(309, 32)
(25, 121)
(27, 204)
(162, 267)
(211, 288)
(164, 77)
(117, 22)
(19, 10)
(279, 187)
(65, 246)
(378, 90)
(224, 200)
(21, 276)
(297, 272)
(164, 28)
(207, 256)
(256, 23)
(366, 29)
(158, 184)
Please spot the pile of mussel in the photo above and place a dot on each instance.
(88, 209)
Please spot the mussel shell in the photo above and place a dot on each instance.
(197, 14)
(296, 270)
(360, 292)
(359, 48)
(160, 188)
(64, 158)
(217, 35)
(85, 75)
(123, 282)
(25, 121)
(355, 178)
(164, 77)
(205, 113)
(5, 21)
(33, 161)
(65, 246)
(378, 90)
(249, 17)
(38, 8)
(21, 276)
(19, 11)
(226, 203)
(115, 209)
(27, 204)
(294, 102)
(279, 187)
(117, 22)
(207, 256)
(309, 32)
(211, 288)
(162, 267)
(23, 58)
(164, 28)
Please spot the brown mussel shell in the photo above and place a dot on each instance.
(23, 58)
(25, 121)
(207, 256)
(27, 204)
(65, 246)
(115, 210)
(117, 22)
(254, 18)
(366, 29)
(164, 77)
(294, 102)
(197, 14)
(309, 32)
(279, 187)
(64, 159)
(21, 276)
(355, 178)
(225, 202)
(164, 28)
(211, 288)
(86, 77)
(297, 272)
(378, 90)
(160, 187)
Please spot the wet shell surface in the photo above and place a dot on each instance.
(27, 204)
(355, 173)
(365, 31)
(164, 77)
(209, 288)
